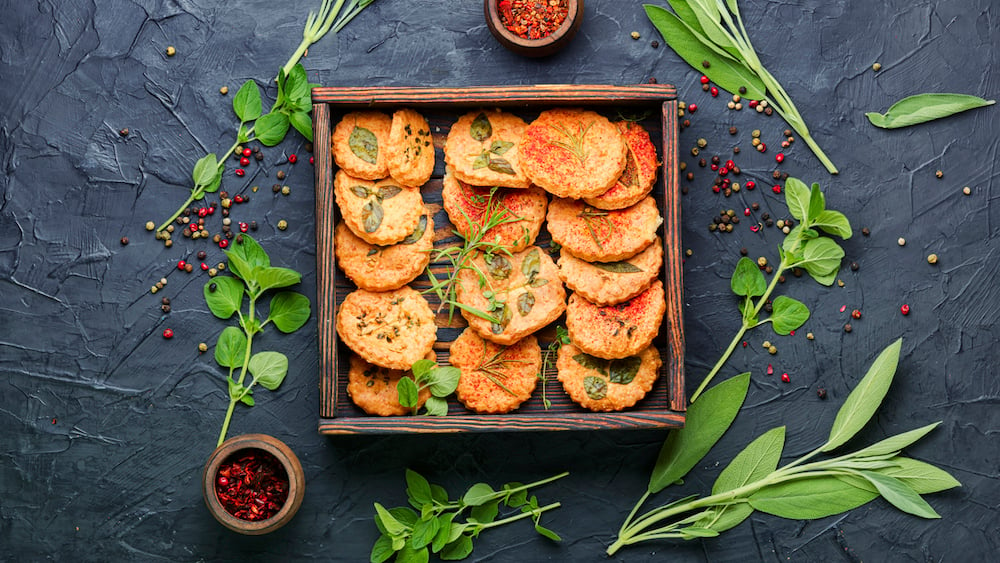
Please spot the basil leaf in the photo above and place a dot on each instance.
(206, 171)
(387, 192)
(596, 387)
(501, 165)
(227, 297)
(617, 267)
(272, 277)
(481, 129)
(270, 129)
(302, 123)
(787, 314)
(364, 144)
(900, 495)
(297, 86)
(925, 107)
(834, 223)
(865, 399)
(246, 102)
(532, 264)
(231, 348)
(797, 198)
(756, 461)
(268, 368)
(623, 371)
(747, 280)
(895, 443)
(371, 215)
(525, 302)
(289, 311)
(592, 363)
(382, 550)
(417, 233)
(407, 391)
(810, 498)
(707, 420)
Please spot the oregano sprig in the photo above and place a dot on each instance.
(803, 248)
(440, 380)
(432, 525)
(253, 276)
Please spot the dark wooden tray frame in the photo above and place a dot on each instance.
(665, 405)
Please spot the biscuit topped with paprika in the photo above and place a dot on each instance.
(616, 331)
(518, 214)
(639, 175)
(597, 235)
(359, 142)
(495, 378)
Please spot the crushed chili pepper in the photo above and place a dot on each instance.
(252, 485)
(532, 19)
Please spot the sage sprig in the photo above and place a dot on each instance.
(711, 37)
(253, 276)
(803, 248)
(925, 107)
(799, 490)
(433, 524)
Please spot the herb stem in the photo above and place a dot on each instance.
(243, 373)
(521, 516)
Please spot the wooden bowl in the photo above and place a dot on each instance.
(284, 455)
(534, 47)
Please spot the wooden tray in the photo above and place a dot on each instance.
(663, 407)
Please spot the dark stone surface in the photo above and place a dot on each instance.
(107, 425)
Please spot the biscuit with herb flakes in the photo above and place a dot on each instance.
(522, 291)
(392, 329)
(495, 378)
(359, 144)
(483, 148)
(639, 175)
(610, 283)
(573, 153)
(520, 213)
(382, 268)
(607, 385)
(373, 388)
(379, 212)
(598, 235)
(409, 153)
(616, 331)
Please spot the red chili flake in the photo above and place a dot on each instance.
(224, 243)
(247, 151)
(167, 333)
(240, 172)
(750, 185)
(843, 308)
(244, 161)
(776, 189)
(855, 314)
(692, 108)
(716, 189)
(770, 369)
(529, 19)
(292, 158)
(754, 228)
(779, 157)
(252, 485)
(704, 79)
(905, 309)
(785, 378)
(714, 91)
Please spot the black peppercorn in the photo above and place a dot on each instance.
(276, 188)
(123, 132)
(715, 159)
(684, 190)
(258, 156)
(821, 393)
(854, 266)
(743, 90)
(765, 216)
(253, 225)
(776, 174)
(744, 251)
(865, 231)
(703, 163)
(654, 44)
(212, 287)
(847, 327)
(280, 175)
(124, 241)
(770, 270)
(733, 131)
(768, 308)
(652, 80)
(165, 308)
(705, 64)
(736, 150)
(705, 87)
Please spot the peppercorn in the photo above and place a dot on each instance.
(280, 175)
(731, 105)
(755, 142)
(776, 174)
(692, 108)
(810, 336)
(124, 241)
(292, 158)
(848, 327)
(276, 188)
(123, 132)
(766, 345)
(171, 51)
(694, 151)
(282, 225)
(212, 272)
(244, 161)
(736, 150)
(150, 225)
(654, 44)
(258, 156)
(768, 111)
(762, 261)
(253, 225)
(285, 190)
(854, 266)
(690, 176)
(905, 309)
(821, 393)
(865, 231)
(702, 143)
(769, 269)
(932, 259)
(966, 190)
(733, 131)
(202, 347)
(901, 241)
(772, 350)
(634, 35)
(939, 174)
(165, 308)
(706, 64)
(785, 378)
(686, 123)
(167, 333)
(224, 90)
(189, 268)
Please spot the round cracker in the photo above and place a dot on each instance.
(616, 331)
(598, 235)
(373, 388)
(409, 152)
(495, 379)
(359, 141)
(637, 180)
(610, 283)
(484, 149)
(379, 212)
(392, 329)
(382, 268)
(523, 211)
(607, 385)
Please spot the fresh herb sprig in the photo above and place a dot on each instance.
(433, 525)
(319, 24)
(548, 360)
(288, 311)
(925, 107)
(803, 248)
(799, 490)
(440, 380)
(711, 37)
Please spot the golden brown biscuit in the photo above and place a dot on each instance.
(359, 142)
(391, 329)
(573, 153)
(379, 212)
(610, 283)
(523, 291)
(596, 235)
(373, 388)
(616, 331)
(522, 211)
(409, 153)
(607, 385)
(639, 175)
(381, 268)
(495, 379)
(483, 148)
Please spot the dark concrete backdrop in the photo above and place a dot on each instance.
(106, 425)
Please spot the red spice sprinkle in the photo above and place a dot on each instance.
(776, 189)
(704, 79)
(785, 378)
(530, 19)
(770, 369)
(167, 333)
(252, 485)
(692, 108)
(240, 172)
(905, 309)
(292, 158)
(244, 161)
(247, 151)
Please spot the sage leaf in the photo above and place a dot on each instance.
(787, 314)
(231, 348)
(424, 532)
(458, 549)
(361, 191)
(691, 533)
(501, 165)
(270, 129)
(623, 371)
(756, 461)
(707, 14)
(617, 267)
(477, 494)
(899, 495)
(810, 498)
(922, 477)
(386, 192)
(925, 107)
(596, 387)
(417, 233)
(481, 129)
(834, 223)
(797, 197)
(289, 311)
(302, 123)
(246, 102)
(747, 280)
(382, 550)
(206, 171)
(525, 302)
(865, 399)
(532, 264)
(363, 144)
(371, 215)
(722, 518)
(270, 277)
(707, 420)
(268, 368)
(224, 296)
(895, 443)
(592, 363)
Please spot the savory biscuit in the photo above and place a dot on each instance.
(359, 143)
(483, 148)
(607, 385)
(616, 331)
(596, 235)
(573, 153)
(409, 153)
(381, 268)
(522, 211)
(392, 329)
(639, 175)
(522, 291)
(379, 212)
(495, 378)
(373, 388)
(610, 283)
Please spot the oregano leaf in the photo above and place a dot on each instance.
(747, 280)
(787, 314)
(364, 144)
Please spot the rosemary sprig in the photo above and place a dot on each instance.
(318, 25)
(562, 337)
(493, 367)
(600, 217)
(575, 144)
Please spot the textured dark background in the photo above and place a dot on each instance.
(106, 425)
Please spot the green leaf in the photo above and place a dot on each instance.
(722, 518)
(410, 555)
(595, 387)
(900, 495)
(747, 281)
(622, 267)
(821, 257)
(925, 107)
(239, 267)
(268, 368)
(423, 533)
(895, 443)
(226, 299)
(246, 399)
(707, 420)
(755, 462)
(302, 123)
(364, 144)
(922, 477)
(297, 87)
(865, 399)
(246, 102)
(708, 16)
(525, 302)
(623, 371)
(382, 550)
(371, 215)
(251, 252)
(422, 368)
(206, 171)
(289, 311)
(418, 487)
(436, 406)
(388, 522)
(231, 348)
(817, 202)
(478, 494)
(787, 314)
(270, 129)
(810, 498)
(458, 549)
(444, 380)
(683, 10)
(405, 515)
(547, 532)
(272, 277)
(444, 531)
(408, 392)
(834, 223)
(797, 198)
(486, 512)
(592, 363)
(481, 129)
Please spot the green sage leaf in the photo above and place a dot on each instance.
(756, 461)
(246, 102)
(788, 314)
(925, 107)
(592, 363)
(458, 549)
(302, 123)
(623, 371)
(270, 277)
(424, 532)
(227, 297)
(268, 368)
(693, 532)
(270, 129)
(382, 550)
(501, 165)
(596, 387)
(797, 197)
(444, 380)
(231, 348)
(525, 302)
(722, 518)
(417, 233)
(747, 280)
(895, 443)
(865, 399)
(900, 495)
(834, 223)
(810, 498)
(206, 171)
(289, 311)
(371, 215)
(617, 267)
(920, 476)
(477, 494)
(481, 129)
(407, 391)
(707, 420)
(364, 144)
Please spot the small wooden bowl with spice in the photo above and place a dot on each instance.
(253, 484)
(533, 28)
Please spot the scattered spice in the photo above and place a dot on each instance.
(171, 51)
(634, 35)
(124, 241)
(905, 309)
(529, 19)
(848, 327)
(866, 231)
(123, 132)
(855, 314)
(810, 336)
(785, 378)
(252, 485)
(150, 225)
(821, 393)
(282, 225)
(939, 174)
(932, 259)
(901, 241)
(877, 67)
(167, 333)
